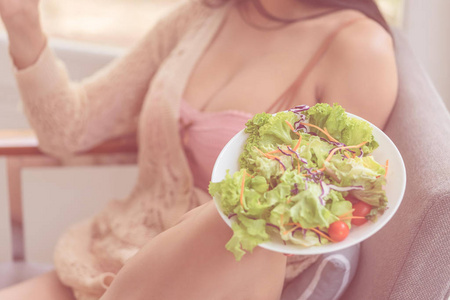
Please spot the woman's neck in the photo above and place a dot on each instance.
(281, 9)
(285, 9)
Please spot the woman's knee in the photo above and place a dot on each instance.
(193, 212)
(192, 256)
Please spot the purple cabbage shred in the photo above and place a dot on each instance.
(294, 191)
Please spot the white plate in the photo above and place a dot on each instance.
(395, 188)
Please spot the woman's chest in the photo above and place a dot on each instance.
(248, 69)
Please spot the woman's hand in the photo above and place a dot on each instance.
(11, 8)
(22, 22)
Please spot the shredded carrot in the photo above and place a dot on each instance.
(323, 131)
(318, 170)
(346, 154)
(260, 151)
(298, 225)
(298, 166)
(266, 154)
(281, 220)
(322, 234)
(349, 212)
(289, 200)
(335, 150)
(273, 151)
(290, 224)
(342, 148)
(292, 127)
(313, 229)
(290, 230)
(349, 218)
(298, 143)
(242, 189)
(271, 157)
(386, 168)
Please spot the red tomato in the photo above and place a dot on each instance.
(362, 209)
(352, 199)
(338, 231)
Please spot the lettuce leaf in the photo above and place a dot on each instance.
(347, 130)
(308, 211)
(361, 171)
(266, 132)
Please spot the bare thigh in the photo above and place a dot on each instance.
(43, 287)
(189, 261)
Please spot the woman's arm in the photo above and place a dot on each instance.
(189, 261)
(359, 72)
(69, 117)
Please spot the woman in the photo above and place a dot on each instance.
(186, 88)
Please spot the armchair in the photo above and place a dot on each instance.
(409, 258)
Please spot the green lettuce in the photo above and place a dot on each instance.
(347, 130)
(365, 172)
(265, 132)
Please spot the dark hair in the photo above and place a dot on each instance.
(367, 7)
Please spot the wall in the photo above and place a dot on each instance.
(427, 26)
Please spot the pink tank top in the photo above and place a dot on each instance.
(204, 134)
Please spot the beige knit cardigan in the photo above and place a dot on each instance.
(141, 93)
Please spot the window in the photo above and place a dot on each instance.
(122, 22)
(392, 11)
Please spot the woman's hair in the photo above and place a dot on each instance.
(367, 7)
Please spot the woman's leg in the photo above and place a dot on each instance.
(44, 287)
(189, 261)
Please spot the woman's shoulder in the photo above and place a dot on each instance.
(359, 69)
(361, 36)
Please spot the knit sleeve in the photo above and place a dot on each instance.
(70, 117)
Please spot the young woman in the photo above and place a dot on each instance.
(185, 89)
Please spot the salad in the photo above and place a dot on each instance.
(306, 176)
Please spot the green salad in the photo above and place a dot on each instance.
(306, 175)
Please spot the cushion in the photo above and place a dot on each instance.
(326, 279)
(409, 257)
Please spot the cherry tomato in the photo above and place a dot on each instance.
(338, 231)
(362, 209)
(352, 199)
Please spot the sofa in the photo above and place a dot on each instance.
(410, 257)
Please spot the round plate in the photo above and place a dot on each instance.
(395, 188)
